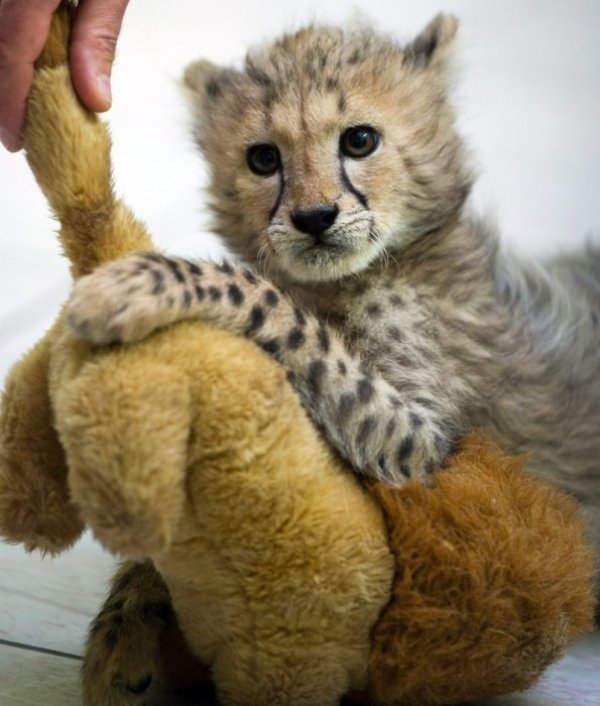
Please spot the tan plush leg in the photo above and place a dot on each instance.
(124, 419)
(35, 508)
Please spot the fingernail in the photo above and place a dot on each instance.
(104, 88)
(10, 142)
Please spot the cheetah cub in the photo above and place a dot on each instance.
(340, 182)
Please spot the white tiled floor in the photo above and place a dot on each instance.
(47, 604)
(32, 678)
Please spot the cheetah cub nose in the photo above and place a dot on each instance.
(315, 221)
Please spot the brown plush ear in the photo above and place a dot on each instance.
(431, 46)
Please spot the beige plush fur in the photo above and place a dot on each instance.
(282, 570)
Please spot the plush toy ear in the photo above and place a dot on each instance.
(432, 45)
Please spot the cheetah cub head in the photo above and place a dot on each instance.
(330, 149)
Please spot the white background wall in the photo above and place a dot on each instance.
(529, 98)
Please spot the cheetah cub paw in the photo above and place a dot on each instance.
(121, 302)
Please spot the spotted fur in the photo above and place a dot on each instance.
(359, 410)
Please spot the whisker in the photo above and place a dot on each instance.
(385, 256)
(351, 223)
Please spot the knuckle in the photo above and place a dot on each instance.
(106, 42)
(104, 45)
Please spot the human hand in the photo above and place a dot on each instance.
(24, 27)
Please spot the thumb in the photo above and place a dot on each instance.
(93, 44)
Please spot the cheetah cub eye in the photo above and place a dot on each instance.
(264, 160)
(359, 142)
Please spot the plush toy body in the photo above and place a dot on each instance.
(292, 582)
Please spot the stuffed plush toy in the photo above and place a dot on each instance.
(283, 578)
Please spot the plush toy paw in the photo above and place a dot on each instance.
(121, 302)
(121, 677)
(41, 516)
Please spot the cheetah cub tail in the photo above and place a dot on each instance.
(68, 150)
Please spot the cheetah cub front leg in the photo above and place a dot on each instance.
(389, 434)
(123, 644)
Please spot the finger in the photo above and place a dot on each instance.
(93, 43)
(24, 27)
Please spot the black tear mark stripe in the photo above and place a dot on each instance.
(279, 198)
(362, 199)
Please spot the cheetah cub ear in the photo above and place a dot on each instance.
(202, 78)
(432, 46)
(207, 84)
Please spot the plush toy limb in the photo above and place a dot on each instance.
(122, 645)
(68, 150)
(124, 420)
(262, 493)
(494, 580)
(35, 507)
(135, 640)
